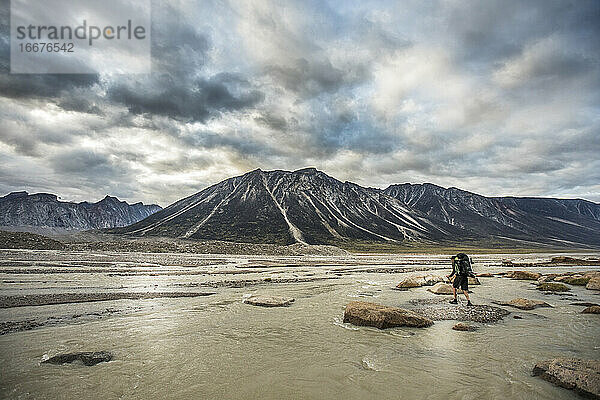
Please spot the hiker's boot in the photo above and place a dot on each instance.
(469, 304)
(454, 301)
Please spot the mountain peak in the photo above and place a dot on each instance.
(110, 199)
(283, 207)
(15, 195)
(307, 170)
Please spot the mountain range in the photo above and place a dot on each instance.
(43, 212)
(309, 206)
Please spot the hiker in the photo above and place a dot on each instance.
(461, 267)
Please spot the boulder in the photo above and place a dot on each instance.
(441, 288)
(411, 282)
(591, 310)
(464, 327)
(581, 376)
(574, 261)
(268, 301)
(524, 275)
(547, 278)
(87, 358)
(525, 304)
(592, 274)
(553, 287)
(430, 280)
(576, 280)
(593, 284)
(370, 314)
(474, 281)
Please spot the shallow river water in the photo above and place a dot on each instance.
(217, 347)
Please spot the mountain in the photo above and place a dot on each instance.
(305, 206)
(44, 211)
(545, 220)
(308, 206)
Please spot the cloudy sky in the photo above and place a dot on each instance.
(496, 97)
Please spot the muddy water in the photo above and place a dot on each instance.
(217, 347)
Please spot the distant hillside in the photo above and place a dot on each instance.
(40, 211)
(552, 221)
(26, 240)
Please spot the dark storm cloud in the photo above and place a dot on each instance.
(178, 48)
(193, 100)
(80, 103)
(492, 30)
(43, 86)
(244, 144)
(81, 160)
(175, 88)
(308, 78)
(272, 121)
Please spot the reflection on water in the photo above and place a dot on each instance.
(218, 347)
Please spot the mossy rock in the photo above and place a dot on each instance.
(578, 281)
(553, 287)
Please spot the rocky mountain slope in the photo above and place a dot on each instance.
(308, 206)
(43, 210)
(558, 221)
(304, 206)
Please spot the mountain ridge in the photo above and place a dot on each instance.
(309, 206)
(555, 219)
(46, 211)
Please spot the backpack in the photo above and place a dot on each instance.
(464, 264)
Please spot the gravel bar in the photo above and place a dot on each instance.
(64, 298)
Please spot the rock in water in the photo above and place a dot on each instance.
(474, 281)
(553, 287)
(88, 358)
(591, 310)
(524, 275)
(592, 274)
(411, 282)
(525, 304)
(464, 327)
(576, 280)
(269, 301)
(593, 284)
(370, 314)
(547, 278)
(584, 304)
(441, 288)
(582, 376)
